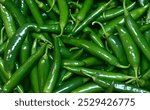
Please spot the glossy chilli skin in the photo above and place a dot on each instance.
(64, 12)
(54, 72)
(110, 27)
(35, 11)
(94, 36)
(98, 73)
(130, 47)
(68, 46)
(119, 87)
(88, 88)
(136, 34)
(71, 84)
(23, 7)
(43, 70)
(95, 50)
(83, 11)
(5, 76)
(117, 48)
(91, 17)
(15, 44)
(25, 53)
(14, 10)
(25, 50)
(34, 71)
(8, 21)
(23, 70)
(110, 14)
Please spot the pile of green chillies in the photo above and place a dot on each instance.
(74, 46)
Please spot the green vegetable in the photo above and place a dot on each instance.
(54, 72)
(57, 46)
(23, 70)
